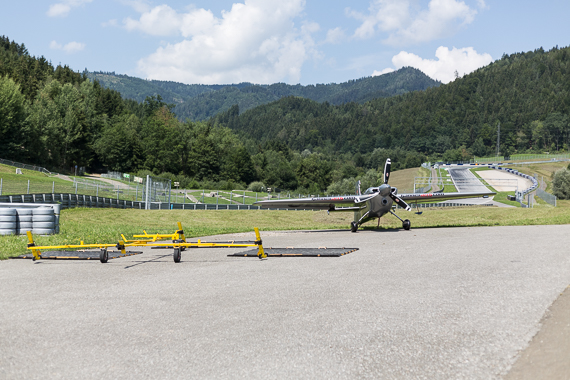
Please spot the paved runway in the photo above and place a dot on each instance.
(427, 303)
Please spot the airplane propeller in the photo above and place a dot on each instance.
(400, 202)
(387, 166)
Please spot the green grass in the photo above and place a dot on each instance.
(106, 225)
(448, 186)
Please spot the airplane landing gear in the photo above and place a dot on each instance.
(406, 224)
(353, 226)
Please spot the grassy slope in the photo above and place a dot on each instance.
(106, 225)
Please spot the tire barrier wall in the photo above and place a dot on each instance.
(40, 219)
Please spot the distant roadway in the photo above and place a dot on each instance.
(465, 181)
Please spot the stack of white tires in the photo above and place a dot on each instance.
(25, 220)
(8, 221)
(41, 221)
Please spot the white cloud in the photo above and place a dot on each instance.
(482, 4)
(70, 48)
(63, 8)
(159, 21)
(110, 23)
(382, 72)
(335, 36)
(256, 41)
(405, 25)
(463, 61)
(140, 6)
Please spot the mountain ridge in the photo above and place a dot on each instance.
(201, 102)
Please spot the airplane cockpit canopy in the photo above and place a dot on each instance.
(372, 190)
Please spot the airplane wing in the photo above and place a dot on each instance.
(430, 197)
(354, 202)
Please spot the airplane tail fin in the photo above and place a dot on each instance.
(358, 192)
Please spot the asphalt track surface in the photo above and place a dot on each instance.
(435, 303)
(465, 181)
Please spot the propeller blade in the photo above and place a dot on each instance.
(387, 166)
(400, 202)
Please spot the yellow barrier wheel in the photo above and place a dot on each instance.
(177, 255)
(104, 256)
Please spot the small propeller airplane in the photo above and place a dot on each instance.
(374, 203)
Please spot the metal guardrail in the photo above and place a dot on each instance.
(520, 194)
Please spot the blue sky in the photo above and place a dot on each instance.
(291, 41)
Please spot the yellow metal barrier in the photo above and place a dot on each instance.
(178, 235)
(179, 244)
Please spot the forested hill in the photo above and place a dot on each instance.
(200, 102)
(528, 93)
(138, 89)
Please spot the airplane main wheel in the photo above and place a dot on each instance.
(104, 256)
(353, 226)
(177, 255)
(407, 224)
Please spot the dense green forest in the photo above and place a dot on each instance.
(527, 93)
(200, 102)
(138, 89)
(58, 118)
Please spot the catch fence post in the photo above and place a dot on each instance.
(0, 186)
(28, 192)
(146, 205)
(169, 190)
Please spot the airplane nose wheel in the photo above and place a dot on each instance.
(353, 226)
(407, 224)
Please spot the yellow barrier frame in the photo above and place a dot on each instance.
(178, 243)
(178, 235)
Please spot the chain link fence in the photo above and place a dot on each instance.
(26, 166)
(542, 194)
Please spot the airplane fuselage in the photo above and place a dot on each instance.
(375, 207)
